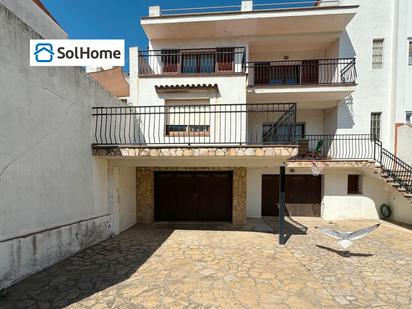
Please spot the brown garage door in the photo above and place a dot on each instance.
(303, 195)
(193, 196)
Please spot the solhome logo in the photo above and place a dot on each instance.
(77, 53)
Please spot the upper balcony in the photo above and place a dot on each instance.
(248, 20)
(178, 62)
(301, 80)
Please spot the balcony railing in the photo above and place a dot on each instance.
(281, 5)
(355, 147)
(302, 72)
(337, 147)
(195, 125)
(225, 60)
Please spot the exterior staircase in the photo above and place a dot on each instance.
(394, 171)
(395, 183)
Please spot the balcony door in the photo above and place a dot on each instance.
(198, 61)
(170, 60)
(310, 72)
(225, 59)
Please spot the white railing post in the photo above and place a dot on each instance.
(154, 11)
(247, 5)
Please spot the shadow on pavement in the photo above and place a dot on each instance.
(346, 254)
(87, 272)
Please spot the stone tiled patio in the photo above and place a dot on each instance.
(217, 267)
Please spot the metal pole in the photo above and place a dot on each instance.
(282, 204)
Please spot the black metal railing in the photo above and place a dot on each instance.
(192, 61)
(302, 72)
(189, 125)
(400, 171)
(354, 147)
(336, 147)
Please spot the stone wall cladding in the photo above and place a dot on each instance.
(285, 151)
(144, 195)
(145, 191)
(239, 196)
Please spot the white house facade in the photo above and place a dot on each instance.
(224, 96)
(221, 100)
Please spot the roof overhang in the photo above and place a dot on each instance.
(187, 88)
(241, 24)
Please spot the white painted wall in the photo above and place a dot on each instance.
(53, 193)
(127, 197)
(338, 205)
(401, 207)
(404, 144)
(32, 15)
(387, 90)
(231, 90)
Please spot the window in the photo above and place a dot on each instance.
(408, 119)
(353, 184)
(198, 61)
(187, 118)
(410, 52)
(376, 125)
(377, 54)
(273, 132)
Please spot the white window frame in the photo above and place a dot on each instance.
(376, 124)
(378, 64)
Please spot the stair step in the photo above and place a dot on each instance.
(395, 184)
(400, 189)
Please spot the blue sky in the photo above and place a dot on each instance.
(117, 19)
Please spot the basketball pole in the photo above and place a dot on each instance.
(282, 176)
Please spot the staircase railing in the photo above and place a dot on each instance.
(398, 170)
(355, 147)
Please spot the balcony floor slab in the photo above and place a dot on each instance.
(285, 152)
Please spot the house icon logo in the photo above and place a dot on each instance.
(44, 52)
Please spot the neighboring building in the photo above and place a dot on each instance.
(113, 79)
(53, 192)
(222, 98)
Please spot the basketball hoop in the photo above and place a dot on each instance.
(317, 168)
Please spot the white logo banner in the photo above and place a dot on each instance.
(77, 52)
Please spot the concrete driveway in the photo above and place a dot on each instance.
(217, 267)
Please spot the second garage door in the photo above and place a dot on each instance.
(193, 196)
(303, 195)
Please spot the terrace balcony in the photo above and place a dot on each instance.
(301, 80)
(212, 130)
(248, 19)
